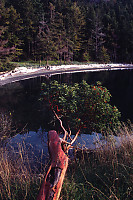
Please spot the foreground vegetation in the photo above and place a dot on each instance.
(104, 173)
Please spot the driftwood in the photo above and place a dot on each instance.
(52, 184)
(58, 147)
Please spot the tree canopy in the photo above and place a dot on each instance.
(71, 30)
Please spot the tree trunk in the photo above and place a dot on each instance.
(52, 184)
(47, 61)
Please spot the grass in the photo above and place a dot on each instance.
(102, 174)
(105, 173)
(5, 126)
(9, 66)
(43, 63)
(21, 171)
(19, 178)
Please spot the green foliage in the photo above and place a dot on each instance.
(104, 57)
(10, 28)
(86, 57)
(71, 26)
(6, 66)
(82, 105)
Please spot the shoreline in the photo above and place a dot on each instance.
(23, 73)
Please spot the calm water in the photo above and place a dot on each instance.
(21, 100)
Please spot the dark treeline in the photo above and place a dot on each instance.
(86, 30)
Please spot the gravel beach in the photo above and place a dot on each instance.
(22, 73)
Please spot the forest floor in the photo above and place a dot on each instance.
(22, 73)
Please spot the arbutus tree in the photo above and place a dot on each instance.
(82, 106)
(78, 107)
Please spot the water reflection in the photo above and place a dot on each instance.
(21, 99)
(31, 147)
(36, 143)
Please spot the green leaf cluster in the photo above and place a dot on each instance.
(82, 106)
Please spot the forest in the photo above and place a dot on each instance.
(87, 30)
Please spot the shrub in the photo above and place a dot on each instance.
(82, 106)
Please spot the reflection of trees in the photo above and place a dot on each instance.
(22, 100)
(5, 126)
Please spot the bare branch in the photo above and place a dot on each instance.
(73, 140)
(69, 135)
(64, 141)
(66, 133)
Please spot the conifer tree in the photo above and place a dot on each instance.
(4, 50)
(27, 11)
(45, 48)
(75, 26)
(97, 35)
(13, 23)
(103, 55)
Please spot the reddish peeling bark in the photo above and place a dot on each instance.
(52, 184)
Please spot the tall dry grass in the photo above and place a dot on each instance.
(104, 173)
(21, 173)
(5, 126)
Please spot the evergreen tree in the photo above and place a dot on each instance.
(77, 28)
(5, 51)
(13, 23)
(97, 36)
(88, 42)
(75, 24)
(10, 23)
(51, 40)
(28, 12)
(103, 56)
(112, 33)
(45, 48)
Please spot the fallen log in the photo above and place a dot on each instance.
(52, 184)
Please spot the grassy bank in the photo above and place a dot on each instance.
(5, 67)
(44, 63)
(21, 173)
(105, 173)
